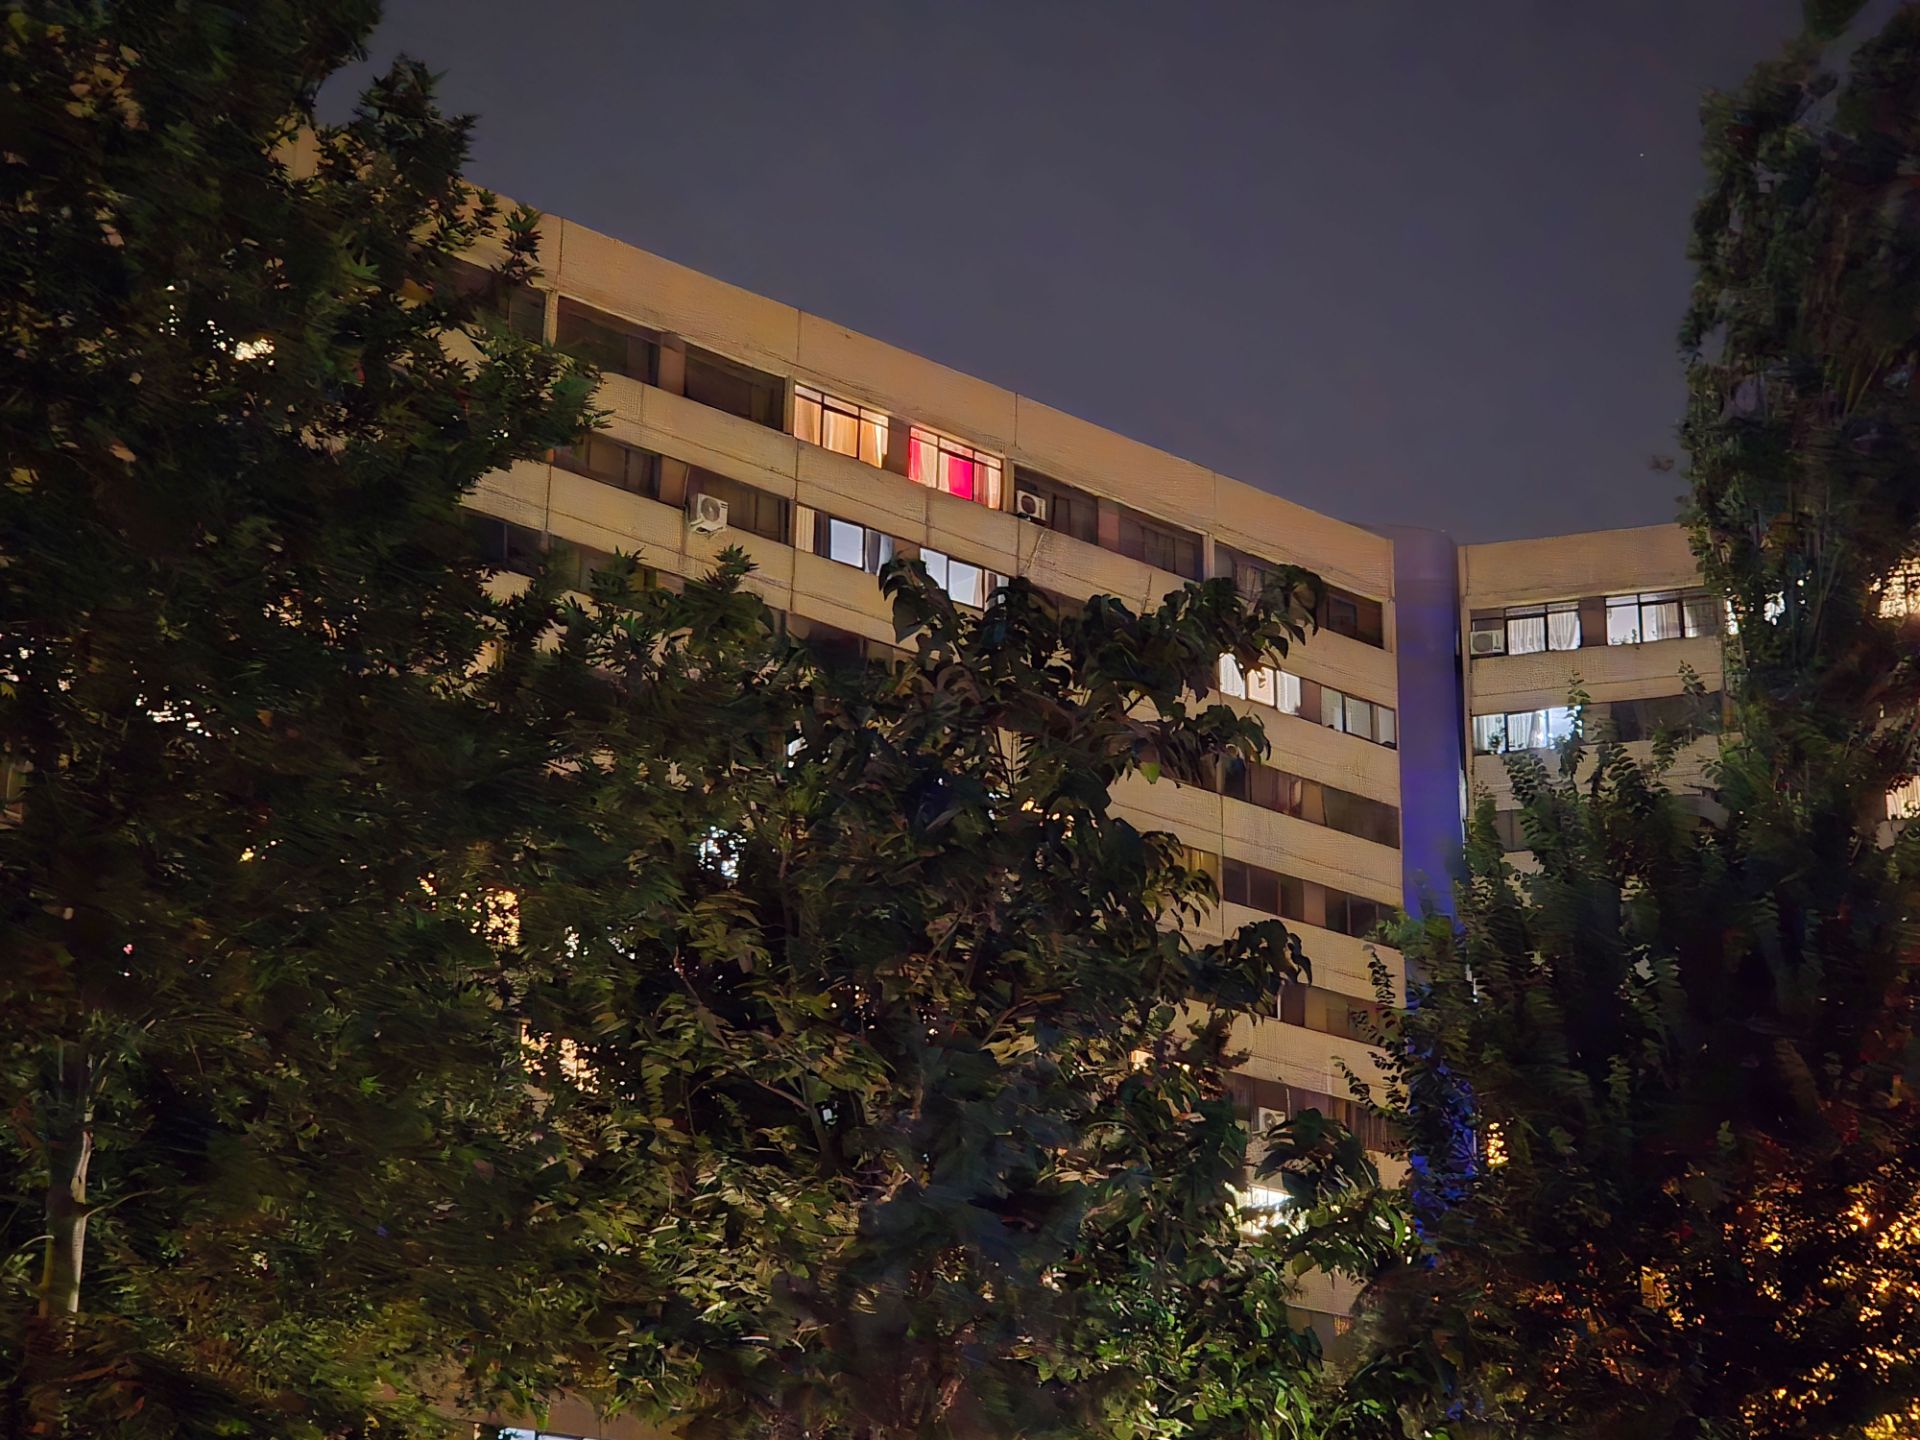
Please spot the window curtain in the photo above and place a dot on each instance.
(1563, 629)
(1526, 634)
(1289, 696)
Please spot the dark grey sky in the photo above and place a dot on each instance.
(1402, 261)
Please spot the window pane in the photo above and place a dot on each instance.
(1526, 634)
(1359, 718)
(1563, 627)
(846, 543)
(1557, 724)
(1489, 734)
(879, 551)
(873, 438)
(806, 414)
(1526, 729)
(840, 432)
(1232, 682)
(1289, 697)
(1623, 620)
(1260, 685)
(1332, 710)
(1383, 726)
(1660, 620)
(1704, 615)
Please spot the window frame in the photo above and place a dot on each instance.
(947, 450)
(868, 423)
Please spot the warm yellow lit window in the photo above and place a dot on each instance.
(1900, 593)
(839, 425)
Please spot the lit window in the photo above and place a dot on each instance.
(1522, 730)
(1289, 694)
(846, 543)
(952, 467)
(1663, 615)
(965, 582)
(1903, 801)
(1900, 593)
(839, 425)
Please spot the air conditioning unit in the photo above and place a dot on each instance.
(706, 514)
(1487, 642)
(1264, 1119)
(1029, 506)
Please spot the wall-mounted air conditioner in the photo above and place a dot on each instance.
(1029, 506)
(706, 514)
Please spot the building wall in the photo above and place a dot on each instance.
(795, 347)
(1591, 568)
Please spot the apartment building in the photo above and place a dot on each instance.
(736, 420)
(1618, 616)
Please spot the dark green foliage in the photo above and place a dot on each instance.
(915, 1100)
(1689, 1036)
(259, 1091)
(419, 998)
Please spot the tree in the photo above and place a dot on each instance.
(920, 1095)
(422, 994)
(1665, 1085)
(268, 1131)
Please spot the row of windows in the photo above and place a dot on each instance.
(1306, 901)
(925, 456)
(1327, 1011)
(1264, 1102)
(1641, 719)
(864, 548)
(1288, 693)
(1340, 611)
(1636, 619)
(1310, 800)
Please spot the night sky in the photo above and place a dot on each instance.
(1405, 262)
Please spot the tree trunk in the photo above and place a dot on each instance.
(69, 1141)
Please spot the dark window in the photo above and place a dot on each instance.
(504, 545)
(626, 466)
(521, 308)
(749, 509)
(1510, 828)
(1327, 1011)
(1354, 616)
(1309, 800)
(1069, 511)
(618, 346)
(735, 388)
(1645, 719)
(1258, 888)
(1163, 546)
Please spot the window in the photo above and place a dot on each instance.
(1900, 593)
(1289, 694)
(521, 308)
(1249, 575)
(756, 511)
(1643, 719)
(1306, 901)
(1327, 1011)
(609, 461)
(1903, 801)
(837, 649)
(846, 543)
(1069, 511)
(735, 388)
(1522, 730)
(1163, 546)
(1529, 629)
(504, 545)
(966, 582)
(1663, 615)
(1510, 828)
(1310, 800)
(1354, 616)
(953, 468)
(839, 425)
(618, 346)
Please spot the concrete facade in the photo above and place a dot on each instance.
(1416, 599)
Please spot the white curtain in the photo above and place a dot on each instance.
(1563, 629)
